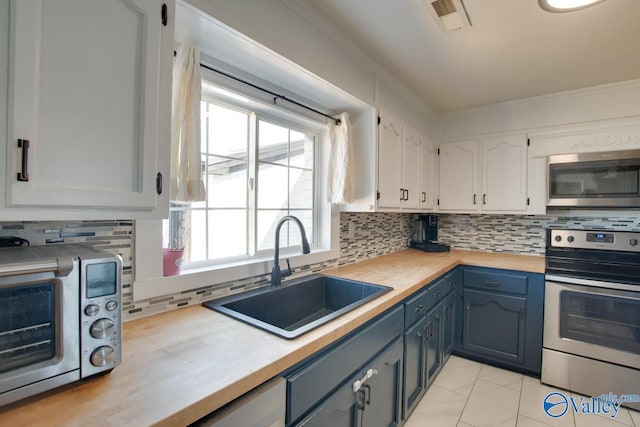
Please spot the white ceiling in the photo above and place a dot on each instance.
(513, 49)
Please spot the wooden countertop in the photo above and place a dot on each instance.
(181, 365)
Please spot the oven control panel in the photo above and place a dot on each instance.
(595, 239)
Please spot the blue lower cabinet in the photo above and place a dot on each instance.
(450, 309)
(371, 398)
(415, 376)
(502, 317)
(434, 342)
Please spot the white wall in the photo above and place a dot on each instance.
(536, 113)
(296, 32)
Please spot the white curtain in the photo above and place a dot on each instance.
(340, 185)
(186, 169)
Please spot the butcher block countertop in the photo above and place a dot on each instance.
(181, 365)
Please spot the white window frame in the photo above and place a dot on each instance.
(149, 281)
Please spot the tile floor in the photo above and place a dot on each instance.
(470, 394)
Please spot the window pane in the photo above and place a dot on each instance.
(227, 233)
(227, 182)
(273, 143)
(197, 249)
(300, 189)
(294, 232)
(272, 186)
(301, 150)
(266, 229)
(228, 132)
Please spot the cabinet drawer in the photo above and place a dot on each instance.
(437, 292)
(450, 282)
(312, 382)
(416, 307)
(512, 283)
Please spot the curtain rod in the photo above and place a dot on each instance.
(275, 95)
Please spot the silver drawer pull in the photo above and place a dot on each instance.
(359, 383)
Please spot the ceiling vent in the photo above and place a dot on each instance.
(451, 15)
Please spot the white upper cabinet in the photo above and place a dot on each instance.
(459, 176)
(390, 162)
(403, 176)
(504, 173)
(427, 187)
(411, 166)
(90, 90)
(489, 175)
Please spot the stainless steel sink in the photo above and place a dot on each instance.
(297, 306)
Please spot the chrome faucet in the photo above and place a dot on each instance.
(276, 274)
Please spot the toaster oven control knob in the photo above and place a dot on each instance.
(102, 328)
(111, 305)
(91, 309)
(633, 242)
(103, 356)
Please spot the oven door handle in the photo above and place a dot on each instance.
(60, 267)
(591, 283)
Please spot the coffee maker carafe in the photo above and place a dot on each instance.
(426, 235)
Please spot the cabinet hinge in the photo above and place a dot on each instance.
(165, 17)
(379, 120)
(377, 195)
(438, 151)
(438, 202)
(528, 142)
(159, 183)
(528, 201)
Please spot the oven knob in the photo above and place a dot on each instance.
(102, 328)
(570, 239)
(91, 310)
(103, 356)
(558, 238)
(633, 242)
(111, 305)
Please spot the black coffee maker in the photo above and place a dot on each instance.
(426, 235)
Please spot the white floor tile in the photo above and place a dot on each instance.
(622, 417)
(458, 375)
(528, 422)
(635, 416)
(501, 377)
(491, 405)
(531, 398)
(461, 424)
(439, 407)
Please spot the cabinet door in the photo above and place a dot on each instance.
(414, 365)
(390, 162)
(383, 398)
(504, 173)
(411, 148)
(448, 323)
(90, 90)
(341, 409)
(427, 157)
(494, 325)
(459, 176)
(434, 342)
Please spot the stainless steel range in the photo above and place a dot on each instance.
(592, 312)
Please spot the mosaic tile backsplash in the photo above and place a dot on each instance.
(375, 234)
(520, 234)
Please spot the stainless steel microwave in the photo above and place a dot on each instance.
(594, 180)
(59, 318)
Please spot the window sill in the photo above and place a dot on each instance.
(190, 279)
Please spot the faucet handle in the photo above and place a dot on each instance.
(288, 272)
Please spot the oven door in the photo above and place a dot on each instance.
(39, 333)
(598, 323)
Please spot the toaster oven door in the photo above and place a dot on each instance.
(39, 333)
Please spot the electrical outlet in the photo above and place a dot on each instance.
(352, 231)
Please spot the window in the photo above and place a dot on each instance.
(258, 167)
